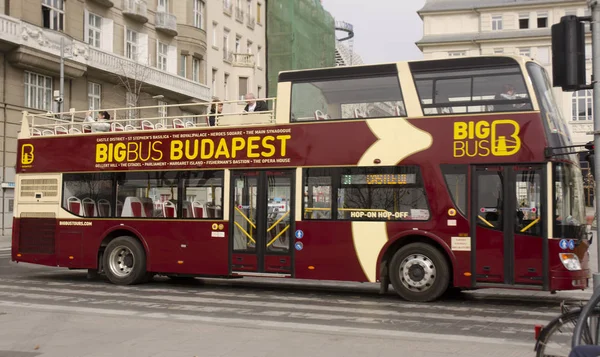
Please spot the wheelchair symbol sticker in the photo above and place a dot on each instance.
(571, 244)
(299, 245)
(563, 244)
(299, 234)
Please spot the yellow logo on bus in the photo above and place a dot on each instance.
(482, 138)
(27, 154)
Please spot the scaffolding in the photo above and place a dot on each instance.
(301, 35)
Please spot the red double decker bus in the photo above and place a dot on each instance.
(425, 175)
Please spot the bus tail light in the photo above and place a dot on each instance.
(570, 261)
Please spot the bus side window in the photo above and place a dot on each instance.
(456, 183)
(317, 193)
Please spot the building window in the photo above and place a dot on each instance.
(238, 44)
(542, 19)
(38, 91)
(183, 65)
(214, 82)
(131, 45)
(226, 87)
(526, 51)
(249, 47)
(582, 105)
(258, 13)
(524, 21)
(198, 13)
(53, 14)
(457, 53)
(94, 96)
(243, 87)
(259, 92)
(498, 51)
(94, 30)
(215, 35)
(196, 70)
(163, 6)
(226, 45)
(162, 52)
(258, 56)
(496, 22)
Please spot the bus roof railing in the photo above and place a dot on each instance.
(131, 119)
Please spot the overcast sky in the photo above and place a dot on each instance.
(384, 30)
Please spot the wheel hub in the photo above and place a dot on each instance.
(121, 261)
(417, 272)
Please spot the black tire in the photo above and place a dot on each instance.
(427, 269)
(129, 261)
(562, 324)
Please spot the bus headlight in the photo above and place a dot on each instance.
(570, 261)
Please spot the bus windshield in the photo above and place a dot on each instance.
(568, 201)
(556, 129)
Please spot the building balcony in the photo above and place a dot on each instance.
(243, 60)
(227, 7)
(250, 21)
(136, 10)
(166, 23)
(39, 48)
(239, 14)
(107, 3)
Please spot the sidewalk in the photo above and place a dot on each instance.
(5, 242)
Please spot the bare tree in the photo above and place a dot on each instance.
(132, 76)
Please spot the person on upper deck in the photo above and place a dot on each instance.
(216, 110)
(101, 124)
(252, 105)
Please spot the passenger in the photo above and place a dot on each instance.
(216, 110)
(254, 106)
(101, 125)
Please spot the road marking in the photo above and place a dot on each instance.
(236, 322)
(301, 310)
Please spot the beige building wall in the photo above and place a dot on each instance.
(229, 66)
(32, 45)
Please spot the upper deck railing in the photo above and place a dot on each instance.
(131, 119)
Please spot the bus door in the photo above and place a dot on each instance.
(508, 230)
(262, 221)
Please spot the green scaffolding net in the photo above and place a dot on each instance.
(301, 35)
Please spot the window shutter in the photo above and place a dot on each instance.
(107, 35)
(86, 26)
(143, 48)
(172, 60)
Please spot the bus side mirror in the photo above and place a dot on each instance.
(590, 157)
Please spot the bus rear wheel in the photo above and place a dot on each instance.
(419, 272)
(125, 261)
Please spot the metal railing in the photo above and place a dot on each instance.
(144, 118)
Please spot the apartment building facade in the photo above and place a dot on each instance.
(236, 36)
(160, 45)
(470, 27)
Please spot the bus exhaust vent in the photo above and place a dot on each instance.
(39, 187)
(37, 235)
(38, 215)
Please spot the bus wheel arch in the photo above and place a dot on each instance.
(123, 258)
(424, 255)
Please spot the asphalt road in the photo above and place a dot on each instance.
(62, 313)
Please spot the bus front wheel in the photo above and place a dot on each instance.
(419, 272)
(125, 261)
